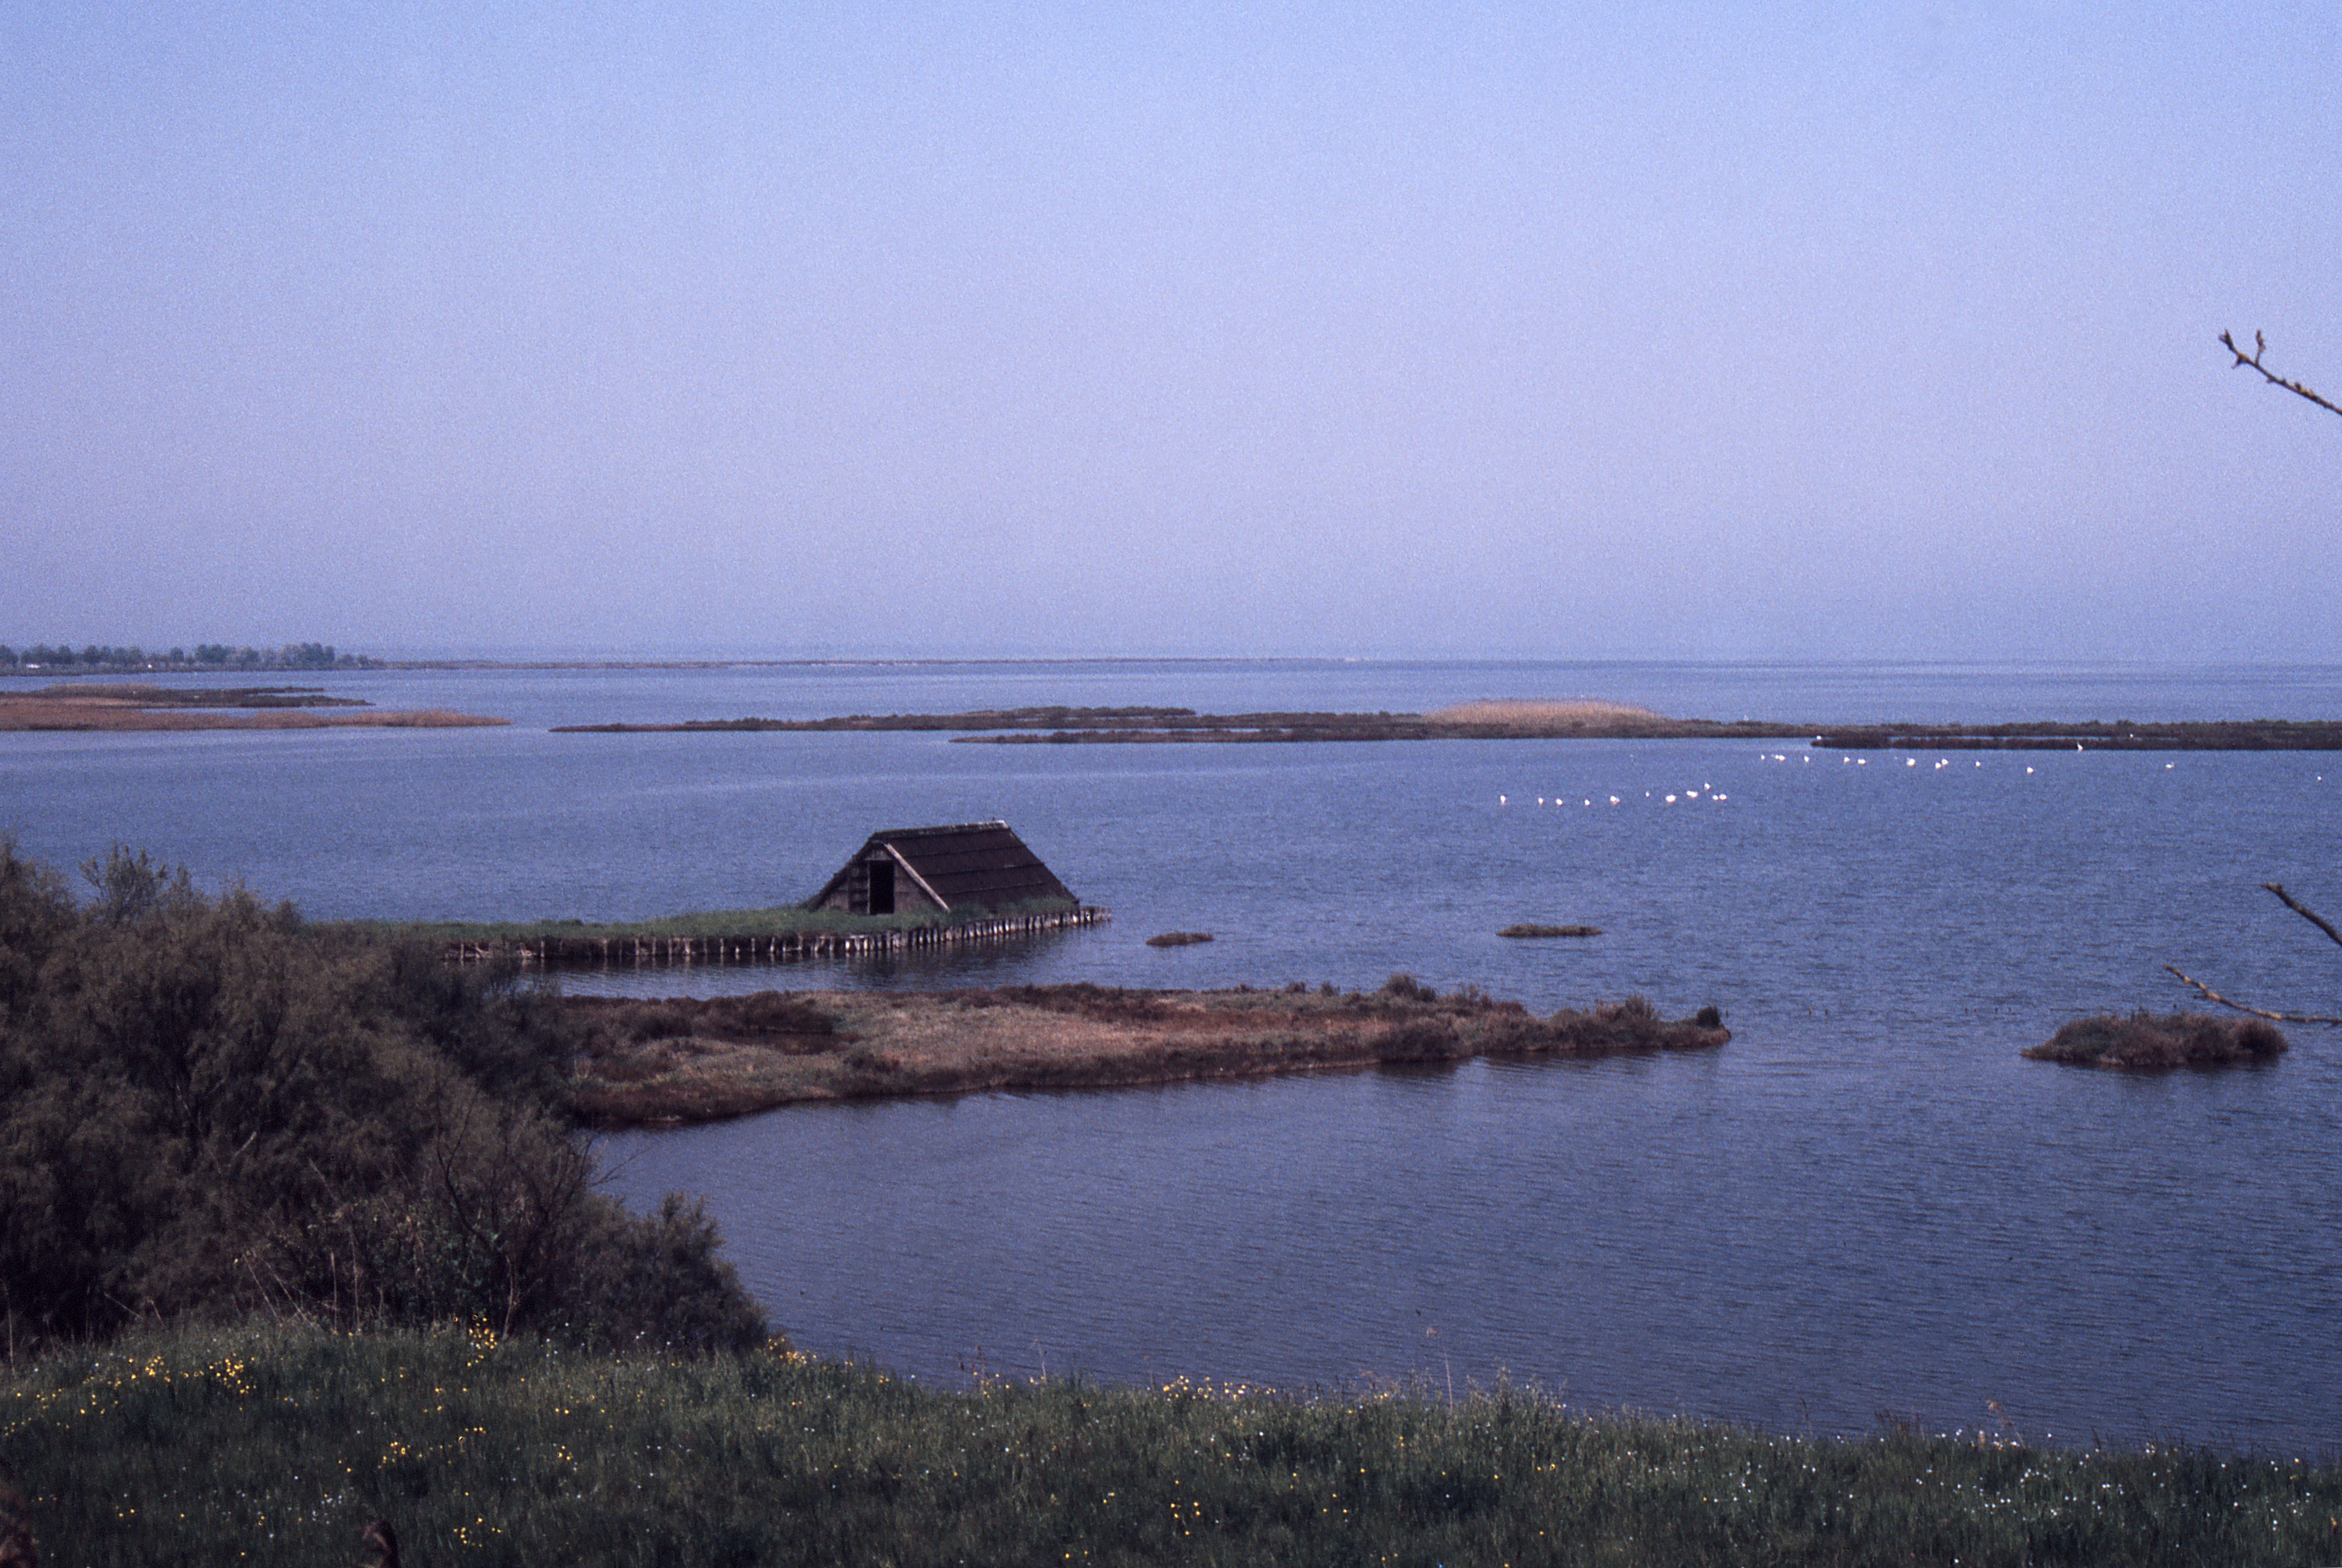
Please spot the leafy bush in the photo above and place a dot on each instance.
(208, 1107)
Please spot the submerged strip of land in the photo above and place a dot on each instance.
(682, 1059)
(1514, 719)
(123, 706)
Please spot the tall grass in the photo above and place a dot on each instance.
(268, 1446)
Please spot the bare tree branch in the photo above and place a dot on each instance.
(2303, 911)
(2272, 377)
(2213, 995)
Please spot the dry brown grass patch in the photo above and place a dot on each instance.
(686, 1060)
(1541, 713)
(110, 714)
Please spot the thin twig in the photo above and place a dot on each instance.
(2303, 911)
(2254, 359)
(2257, 1012)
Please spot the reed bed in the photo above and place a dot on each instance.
(278, 1445)
(24, 715)
(1539, 714)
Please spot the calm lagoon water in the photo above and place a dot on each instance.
(1866, 1203)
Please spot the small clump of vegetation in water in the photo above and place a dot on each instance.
(2147, 1040)
(278, 1445)
(1178, 939)
(1525, 930)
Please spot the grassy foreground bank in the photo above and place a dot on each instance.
(268, 1446)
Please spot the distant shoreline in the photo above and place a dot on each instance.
(1513, 722)
(80, 705)
(843, 663)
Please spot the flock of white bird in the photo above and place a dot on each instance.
(1709, 792)
(1706, 792)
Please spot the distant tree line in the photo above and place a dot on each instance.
(211, 1108)
(204, 655)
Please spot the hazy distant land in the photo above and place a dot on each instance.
(1584, 719)
(120, 706)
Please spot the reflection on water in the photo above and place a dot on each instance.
(2137, 1258)
(1011, 962)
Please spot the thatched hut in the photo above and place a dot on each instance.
(969, 869)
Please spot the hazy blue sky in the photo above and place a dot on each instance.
(1557, 330)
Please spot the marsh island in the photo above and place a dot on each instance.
(1513, 720)
(129, 706)
(687, 1059)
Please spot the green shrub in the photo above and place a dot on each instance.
(209, 1108)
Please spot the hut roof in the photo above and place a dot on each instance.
(966, 865)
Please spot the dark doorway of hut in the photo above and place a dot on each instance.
(882, 887)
